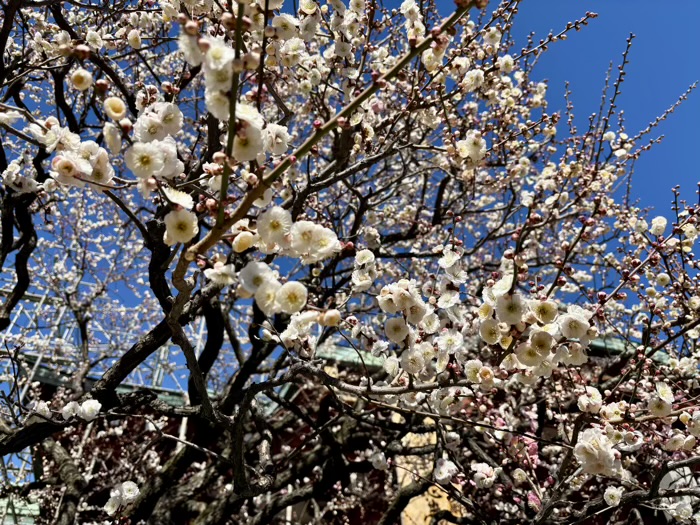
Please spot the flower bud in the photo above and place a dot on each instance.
(81, 51)
(115, 108)
(126, 125)
(330, 318)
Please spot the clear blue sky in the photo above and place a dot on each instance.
(664, 61)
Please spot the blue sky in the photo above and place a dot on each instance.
(664, 61)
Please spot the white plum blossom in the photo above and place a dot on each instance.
(247, 144)
(70, 410)
(505, 63)
(473, 79)
(664, 391)
(53, 136)
(484, 475)
(89, 409)
(219, 54)
(180, 227)
(682, 511)
(312, 242)
(571, 354)
(675, 442)
(595, 452)
(190, 49)
(145, 159)
(94, 39)
(529, 355)
(545, 311)
(693, 423)
(254, 274)
(493, 37)
(12, 178)
(112, 137)
(219, 80)
(266, 296)
(218, 104)
(473, 147)
(81, 79)
(249, 115)
(221, 273)
(490, 331)
(179, 198)
(121, 495)
(292, 51)
(412, 361)
(129, 491)
(244, 241)
(274, 225)
(331, 317)
(113, 504)
(450, 341)
(591, 401)
(392, 365)
(510, 308)
(444, 471)
(658, 225)
(70, 168)
(396, 329)
(276, 139)
(134, 38)
(450, 257)
(659, 407)
(613, 411)
(148, 127)
(471, 370)
(42, 408)
(574, 324)
(286, 26)
(324, 244)
(291, 297)
(541, 341)
(613, 496)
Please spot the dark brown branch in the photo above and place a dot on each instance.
(72, 479)
(215, 339)
(27, 243)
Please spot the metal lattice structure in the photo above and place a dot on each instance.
(42, 345)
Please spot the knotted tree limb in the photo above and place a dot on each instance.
(161, 482)
(72, 479)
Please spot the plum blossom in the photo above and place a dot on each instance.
(591, 401)
(89, 409)
(444, 471)
(180, 227)
(596, 454)
(574, 324)
(274, 225)
(291, 297)
(484, 475)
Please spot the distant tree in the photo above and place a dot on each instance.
(407, 275)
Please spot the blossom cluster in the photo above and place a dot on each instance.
(512, 322)
(88, 410)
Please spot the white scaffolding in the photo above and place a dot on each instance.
(42, 343)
